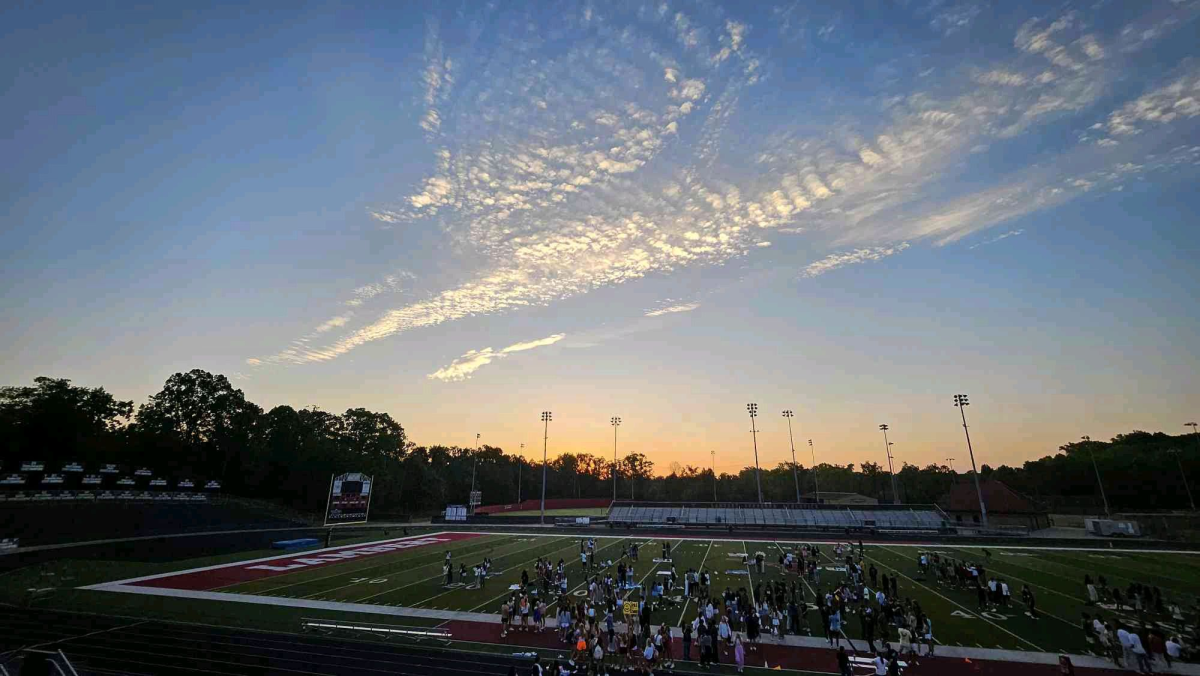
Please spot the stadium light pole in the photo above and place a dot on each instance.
(714, 467)
(1099, 482)
(887, 446)
(753, 409)
(816, 486)
(545, 442)
(1177, 453)
(616, 422)
(520, 462)
(795, 476)
(474, 464)
(951, 461)
(960, 400)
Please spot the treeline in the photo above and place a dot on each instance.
(200, 426)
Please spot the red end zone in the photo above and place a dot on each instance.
(248, 571)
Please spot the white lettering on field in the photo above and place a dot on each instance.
(333, 557)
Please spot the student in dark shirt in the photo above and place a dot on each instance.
(686, 627)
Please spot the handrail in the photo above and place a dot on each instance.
(67, 662)
(53, 661)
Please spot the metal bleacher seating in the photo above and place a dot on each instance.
(783, 515)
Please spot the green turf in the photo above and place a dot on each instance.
(413, 578)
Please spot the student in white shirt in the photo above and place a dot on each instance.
(880, 665)
(1174, 649)
(1139, 652)
(1126, 645)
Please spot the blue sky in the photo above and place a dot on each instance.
(467, 214)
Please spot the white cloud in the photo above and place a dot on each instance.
(529, 345)
(1180, 99)
(390, 283)
(993, 240)
(547, 197)
(465, 366)
(252, 361)
(333, 323)
(842, 259)
(999, 76)
(672, 309)
(690, 89)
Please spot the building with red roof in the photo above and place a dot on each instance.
(1005, 507)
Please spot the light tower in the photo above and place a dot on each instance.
(474, 463)
(816, 486)
(1099, 482)
(1177, 453)
(520, 462)
(545, 442)
(795, 477)
(887, 446)
(753, 410)
(714, 467)
(960, 400)
(616, 422)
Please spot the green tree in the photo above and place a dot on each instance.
(56, 421)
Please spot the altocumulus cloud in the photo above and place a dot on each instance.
(465, 366)
(671, 309)
(601, 157)
(840, 260)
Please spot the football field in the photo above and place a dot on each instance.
(401, 580)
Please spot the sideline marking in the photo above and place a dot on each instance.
(260, 568)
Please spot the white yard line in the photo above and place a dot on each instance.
(750, 573)
(689, 598)
(806, 584)
(432, 577)
(653, 570)
(326, 577)
(948, 600)
(508, 592)
(293, 555)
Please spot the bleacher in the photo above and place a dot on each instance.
(70, 502)
(780, 515)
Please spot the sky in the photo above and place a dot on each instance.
(465, 214)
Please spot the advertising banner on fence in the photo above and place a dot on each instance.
(349, 499)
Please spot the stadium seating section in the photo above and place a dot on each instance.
(907, 517)
(54, 522)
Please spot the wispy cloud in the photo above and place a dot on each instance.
(595, 163)
(671, 309)
(389, 284)
(333, 323)
(465, 366)
(532, 344)
(993, 240)
(1179, 99)
(842, 259)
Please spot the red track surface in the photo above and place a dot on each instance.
(788, 657)
(248, 571)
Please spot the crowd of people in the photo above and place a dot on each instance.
(991, 592)
(608, 627)
(1149, 634)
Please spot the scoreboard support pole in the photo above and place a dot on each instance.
(328, 499)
